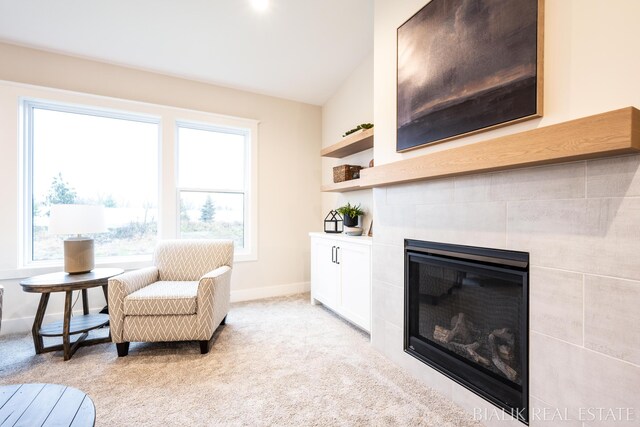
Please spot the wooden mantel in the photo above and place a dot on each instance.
(608, 134)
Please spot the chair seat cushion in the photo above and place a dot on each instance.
(163, 298)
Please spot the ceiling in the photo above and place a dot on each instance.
(297, 49)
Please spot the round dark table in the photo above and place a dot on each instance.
(45, 405)
(67, 283)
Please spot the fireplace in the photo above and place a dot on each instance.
(466, 315)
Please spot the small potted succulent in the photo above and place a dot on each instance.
(350, 214)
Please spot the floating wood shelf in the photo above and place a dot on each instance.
(607, 134)
(342, 187)
(350, 145)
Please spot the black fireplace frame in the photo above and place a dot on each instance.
(514, 400)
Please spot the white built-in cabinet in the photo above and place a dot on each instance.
(341, 276)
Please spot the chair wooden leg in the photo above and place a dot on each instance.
(205, 345)
(123, 348)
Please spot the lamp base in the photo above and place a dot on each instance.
(78, 255)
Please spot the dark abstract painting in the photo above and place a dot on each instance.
(466, 66)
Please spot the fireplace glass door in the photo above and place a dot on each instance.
(466, 315)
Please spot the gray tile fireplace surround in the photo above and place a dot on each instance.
(580, 222)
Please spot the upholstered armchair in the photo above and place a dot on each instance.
(185, 296)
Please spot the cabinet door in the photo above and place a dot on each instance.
(324, 272)
(355, 272)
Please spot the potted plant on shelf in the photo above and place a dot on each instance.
(350, 214)
(360, 128)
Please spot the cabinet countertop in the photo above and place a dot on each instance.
(363, 240)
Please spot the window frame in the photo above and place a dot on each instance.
(167, 118)
(235, 127)
(27, 107)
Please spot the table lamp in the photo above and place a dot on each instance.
(78, 220)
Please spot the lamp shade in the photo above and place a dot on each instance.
(76, 219)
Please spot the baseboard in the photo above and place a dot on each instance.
(24, 324)
(269, 291)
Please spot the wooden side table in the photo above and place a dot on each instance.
(67, 283)
(45, 405)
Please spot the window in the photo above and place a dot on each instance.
(160, 172)
(89, 156)
(214, 183)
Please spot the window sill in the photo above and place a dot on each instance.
(44, 268)
(244, 257)
(131, 263)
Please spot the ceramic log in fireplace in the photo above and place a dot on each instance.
(466, 315)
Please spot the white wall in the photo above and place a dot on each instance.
(289, 204)
(351, 105)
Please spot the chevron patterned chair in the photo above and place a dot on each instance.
(184, 296)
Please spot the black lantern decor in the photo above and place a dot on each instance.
(333, 222)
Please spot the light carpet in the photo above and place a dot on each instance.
(279, 361)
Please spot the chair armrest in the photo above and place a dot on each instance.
(121, 286)
(213, 274)
(131, 281)
(214, 295)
